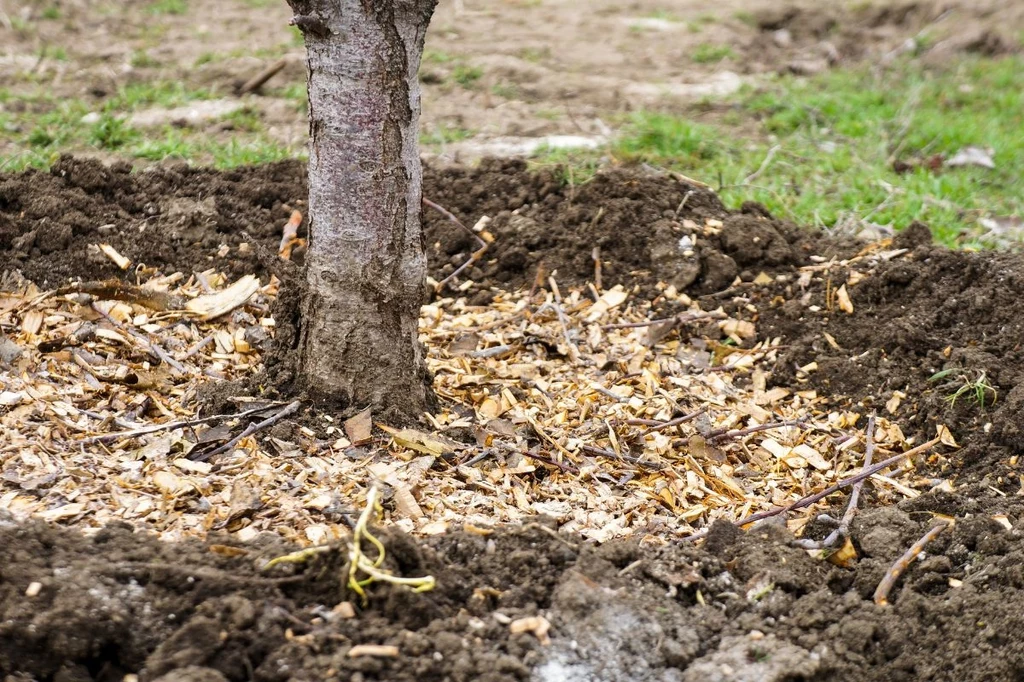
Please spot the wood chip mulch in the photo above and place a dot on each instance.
(570, 404)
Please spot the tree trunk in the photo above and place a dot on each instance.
(365, 267)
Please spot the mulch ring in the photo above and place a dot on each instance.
(626, 400)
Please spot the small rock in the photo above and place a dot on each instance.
(9, 351)
(782, 37)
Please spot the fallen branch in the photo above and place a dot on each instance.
(113, 290)
(682, 318)
(903, 563)
(611, 454)
(170, 426)
(811, 499)
(715, 436)
(851, 508)
(563, 320)
(289, 409)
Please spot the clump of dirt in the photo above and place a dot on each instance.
(96, 609)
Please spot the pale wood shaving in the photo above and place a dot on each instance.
(549, 409)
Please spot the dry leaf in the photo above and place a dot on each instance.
(228, 550)
(168, 483)
(359, 427)
(418, 441)
(845, 556)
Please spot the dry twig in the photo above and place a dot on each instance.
(675, 422)
(811, 499)
(289, 409)
(903, 563)
(170, 426)
(473, 258)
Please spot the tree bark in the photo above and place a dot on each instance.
(365, 267)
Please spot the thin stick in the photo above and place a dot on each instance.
(610, 454)
(678, 319)
(169, 426)
(473, 258)
(903, 563)
(257, 81)
(811, 499)
(764, 165)
(674, 422)
(739, 433)
(596, 256)
(682, 204)
(289, 409)
(574, 352)
(851, 509)
(198, 346)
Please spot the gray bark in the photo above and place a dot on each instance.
(365, 268)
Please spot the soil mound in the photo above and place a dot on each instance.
(75, 608)
(173, 217)
(934, 338)
(647, 226)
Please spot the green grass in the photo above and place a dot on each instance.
(505, 90)
(140, 59)
(48, 126)
(467, 76)
(820, 151)
(960, 385)
(709, 53)
(439, 136)
(167, 7)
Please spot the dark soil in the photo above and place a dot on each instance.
(743, 606)
(746, 606)
(180, 218)
(949, 313)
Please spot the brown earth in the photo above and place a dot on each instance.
(742, 606)
(745, 606)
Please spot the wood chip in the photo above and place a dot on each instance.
(212, 306)
(538, 626)
(111, 253)
(376, 650)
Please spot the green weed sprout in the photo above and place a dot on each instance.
(359, 563)
(977, 390)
